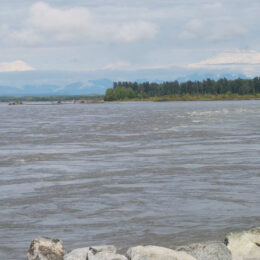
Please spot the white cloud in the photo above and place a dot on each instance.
(192, 30)
(215, 5)
(119, 65)
(17, 65)
(229, 59)
(134, 31)
(126, 66)
(208, 31)
(226, 31)
(53, 34)
(47, 24)
(25, 36)
(46, 18)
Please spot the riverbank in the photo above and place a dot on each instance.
(243, 245)
(66, 102)
(194, 98)
(69, 99)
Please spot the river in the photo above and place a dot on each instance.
(162, 173)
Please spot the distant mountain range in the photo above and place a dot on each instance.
(44, 89)
(49, 83)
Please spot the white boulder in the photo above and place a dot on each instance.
(156, 253)
(244, 245)
(207, 251)
(97, 254)
(77, 254)
(93, 253)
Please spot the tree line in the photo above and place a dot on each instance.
(132, 90)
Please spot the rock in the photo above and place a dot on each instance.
(44, 248)
(207, 251)
(156, 253)
(77, 254)
(103, 255)
(84, 253)
(244, 245)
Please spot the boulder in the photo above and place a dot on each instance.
(156, 253)
(207, 251)
(104, 255)
(244, 245)
(86, 252)
(44, 248)
(77, 254)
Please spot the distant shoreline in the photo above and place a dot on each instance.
(154, 99)
(66, 98)
(192, 98)
(54, 100)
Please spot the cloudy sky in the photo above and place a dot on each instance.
(84, 35)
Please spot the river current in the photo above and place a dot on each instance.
(162, 173)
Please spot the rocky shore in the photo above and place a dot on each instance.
(236, 246)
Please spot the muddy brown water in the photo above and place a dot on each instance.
(165, 173)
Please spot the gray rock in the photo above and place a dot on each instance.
(84, 253)
(244, 245)
(44, 248)
(156, 253)
(207, 251)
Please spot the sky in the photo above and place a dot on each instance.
(84, 35)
